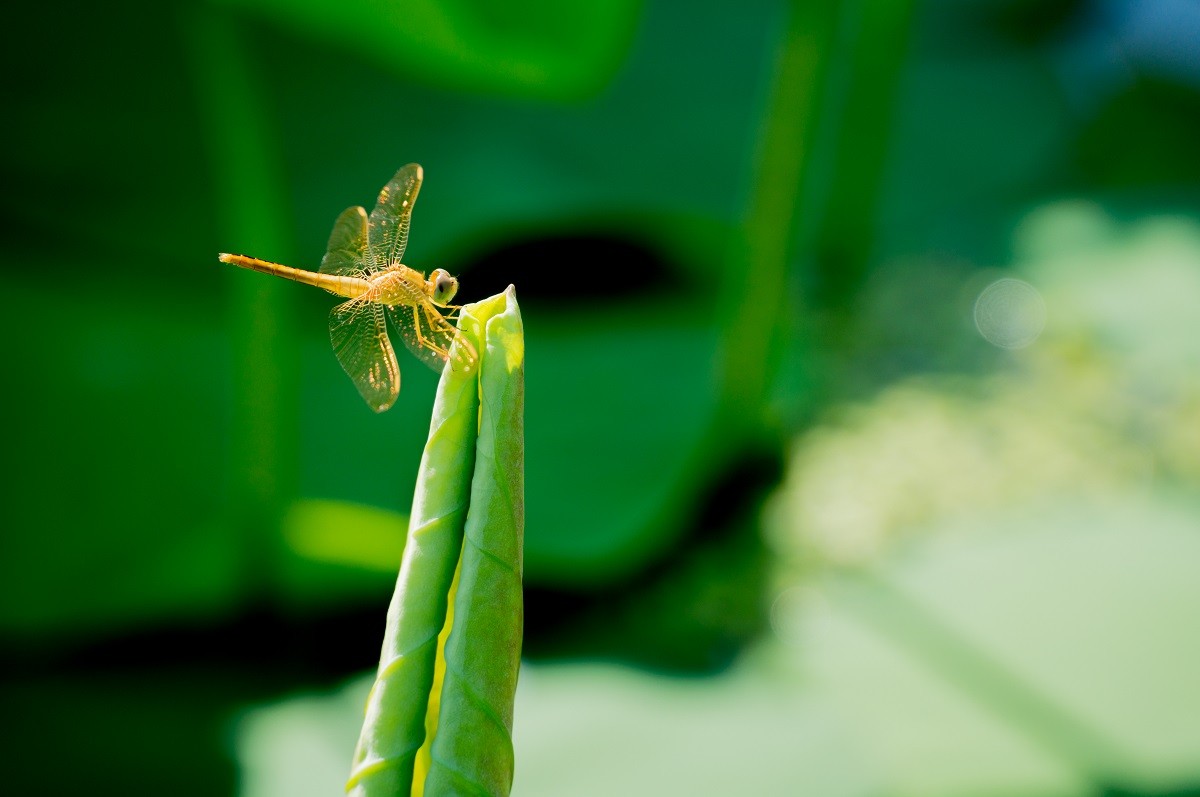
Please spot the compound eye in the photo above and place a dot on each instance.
(444, 286)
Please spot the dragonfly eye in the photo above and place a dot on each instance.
(444, 286)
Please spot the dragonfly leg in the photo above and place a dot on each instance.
(424, 341)
(453, 315)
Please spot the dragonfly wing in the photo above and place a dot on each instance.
(359, 334)
(390, 219)
(429, 336)
(347, 245)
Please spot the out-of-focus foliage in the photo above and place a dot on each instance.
(536, 48)
(199, 515)
(1106, 402)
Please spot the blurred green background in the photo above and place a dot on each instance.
(863, 402)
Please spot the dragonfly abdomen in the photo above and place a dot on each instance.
(340, 285)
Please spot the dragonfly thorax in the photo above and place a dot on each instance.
(398, 285)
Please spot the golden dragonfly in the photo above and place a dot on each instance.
(362, 264)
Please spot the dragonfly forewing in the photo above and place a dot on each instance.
(390, 218)
(346, 253)
(358, 331)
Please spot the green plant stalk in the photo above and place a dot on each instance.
(470, 481)
(433, 712)
(472, 751)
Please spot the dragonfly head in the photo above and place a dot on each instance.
(442, 286)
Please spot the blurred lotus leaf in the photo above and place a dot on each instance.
(534, 48)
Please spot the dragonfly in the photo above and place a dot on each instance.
(362, 264)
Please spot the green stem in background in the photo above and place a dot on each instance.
(829, 50)
(470, 488)
(251, 215)
(760, 259)
(831, 99)
(875, 36)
